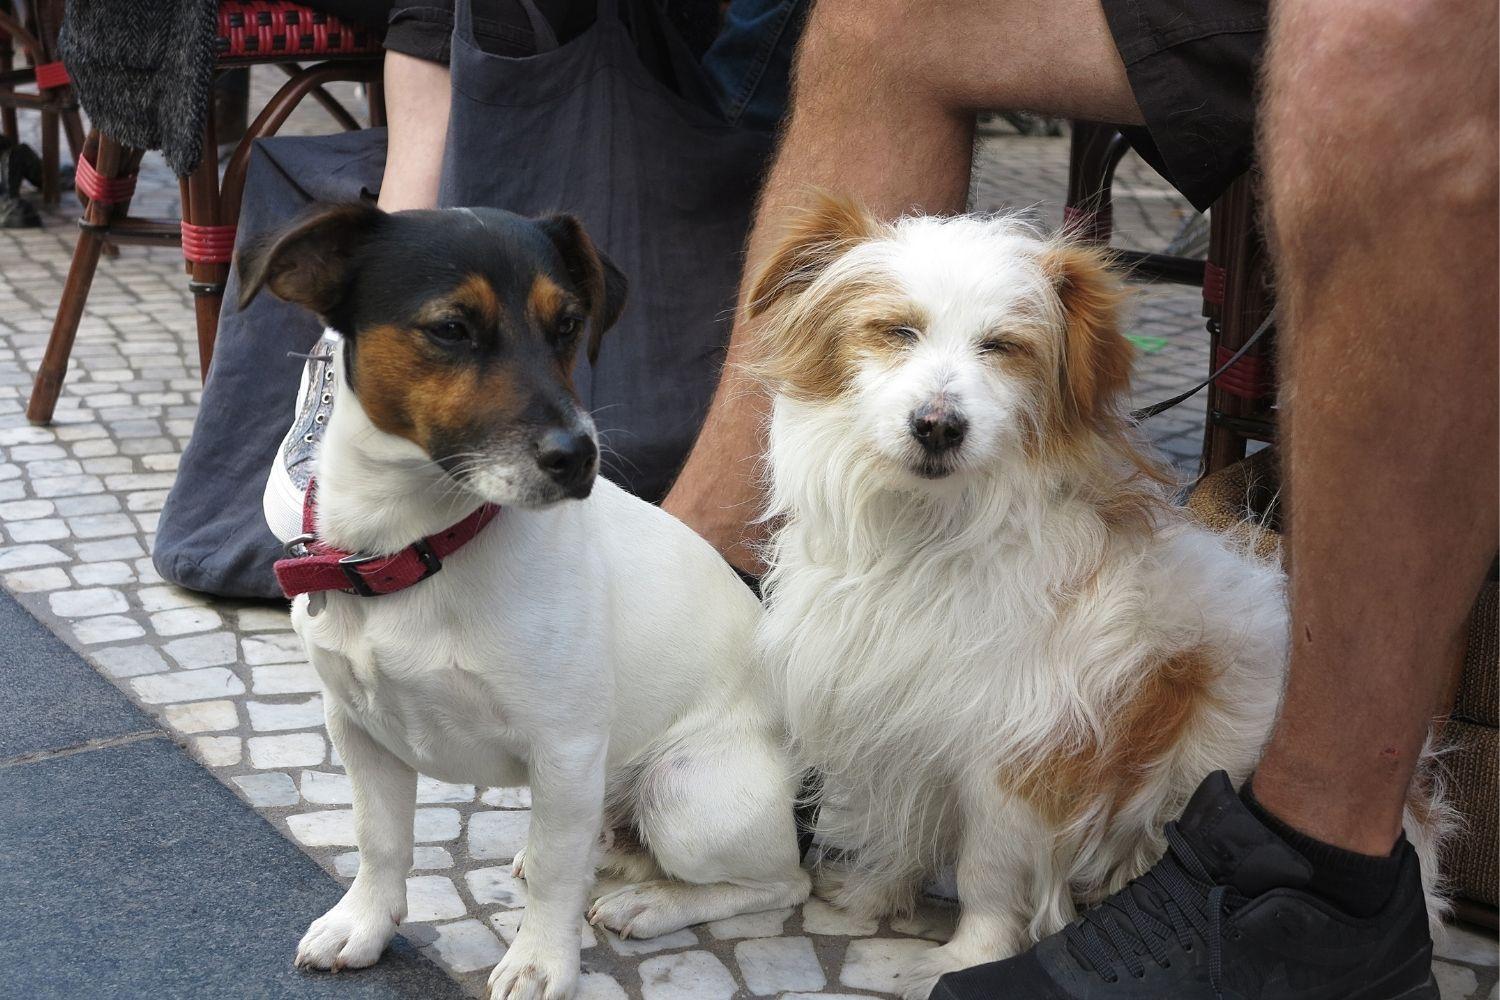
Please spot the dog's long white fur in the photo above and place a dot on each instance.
(595, 648)
(926, 635)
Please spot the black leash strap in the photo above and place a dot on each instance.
(1147, 412)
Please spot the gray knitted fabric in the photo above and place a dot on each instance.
(143, 70)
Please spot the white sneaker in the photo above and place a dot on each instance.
(285, 486)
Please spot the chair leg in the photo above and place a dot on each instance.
(51, 192)
(49, 377)
(1237, 250)
(1094, 152)
(201, 207)
(111, 160)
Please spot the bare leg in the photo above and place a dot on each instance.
(417, 99)
(1384, 224)
(883, 109)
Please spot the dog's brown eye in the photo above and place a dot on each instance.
(905, 334)
(995, 345)
(568, 326)
(448, 332)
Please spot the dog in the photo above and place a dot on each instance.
(580, 639)
(997, 641)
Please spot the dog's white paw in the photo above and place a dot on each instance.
(518, 864)
(642, 910)
(349, 936)
(917, 981)
(531, 972)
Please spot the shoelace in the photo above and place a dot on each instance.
(1105, 943)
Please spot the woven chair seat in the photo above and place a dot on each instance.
(261, 31)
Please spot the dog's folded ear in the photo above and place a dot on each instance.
(310, 262)
(596, 276)
(1096, 359)
(814, 238)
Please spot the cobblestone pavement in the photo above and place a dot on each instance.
(78, 508)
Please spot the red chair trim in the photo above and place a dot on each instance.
(50, 76)
(102, 190)
(274, 30)
(1213, 283)
(207, 244)
(1251, 377)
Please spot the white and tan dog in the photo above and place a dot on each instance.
(997, 641)
(583, 641)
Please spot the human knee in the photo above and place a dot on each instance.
(1372, 100)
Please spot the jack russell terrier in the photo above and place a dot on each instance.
(481, 608)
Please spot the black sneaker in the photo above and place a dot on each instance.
(1221, 917)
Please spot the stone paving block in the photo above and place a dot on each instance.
(819, 917)
(263, 649)
(684, 938)
(466, 946)
(771, 965)
(84, 603)
(766, 923)
(269, 789)
(433, 897)
(46, 529)
(211, 650)
(289, 750)
(878, 963)
(326, 788)
(518, 797)
(103, 573)
(102, 503)
(202, 716)
(218, 751)
(181, 621)
(275, 716)
(29, 581)
(106, 628)
(498, 835)
(18, 556)
(187, 685)
(285, 678)
(691, 975)
(130, 661)
(496, 886)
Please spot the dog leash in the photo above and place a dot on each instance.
(1147, 412)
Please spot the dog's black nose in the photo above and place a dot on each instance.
(567, 456)
(938, 428)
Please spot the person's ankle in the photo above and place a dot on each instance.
(1358, 883)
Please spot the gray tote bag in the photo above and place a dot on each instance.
(661, 183)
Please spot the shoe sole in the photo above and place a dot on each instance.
(281, 503)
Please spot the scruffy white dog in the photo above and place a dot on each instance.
(996, 640)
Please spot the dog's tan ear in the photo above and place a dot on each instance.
(814, 238)
(309, 262)
(600, 281)
(1096, 357)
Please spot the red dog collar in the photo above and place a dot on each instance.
(327, 568)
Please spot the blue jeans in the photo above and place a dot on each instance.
(749, 65)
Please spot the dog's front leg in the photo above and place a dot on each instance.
(356, 930)
(1001, 845)
(567, 811)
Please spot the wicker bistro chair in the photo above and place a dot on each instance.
(1235, 280)
(42, 85)
(250, 32)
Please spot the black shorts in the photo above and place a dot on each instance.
(1193, 66)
